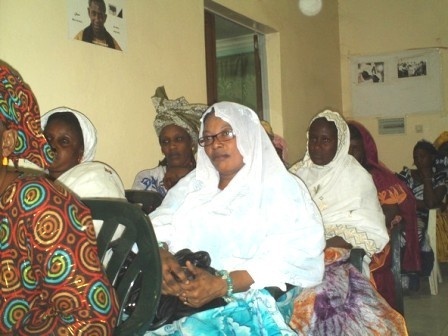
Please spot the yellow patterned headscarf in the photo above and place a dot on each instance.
(19, 111)
(441, 139)
(177, 112)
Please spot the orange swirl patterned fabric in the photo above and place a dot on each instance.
(19, 110)
(51, 279)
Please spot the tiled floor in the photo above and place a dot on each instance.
(426, 314)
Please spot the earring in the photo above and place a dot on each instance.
(5, 161)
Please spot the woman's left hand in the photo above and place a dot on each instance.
(204, 288)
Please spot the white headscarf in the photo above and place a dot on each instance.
(88, 131)
(264, 221)
(345, 193)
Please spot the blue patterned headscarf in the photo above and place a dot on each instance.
(19, 111)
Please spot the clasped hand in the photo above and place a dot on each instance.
(192, 285)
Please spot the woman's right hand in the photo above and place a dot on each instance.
(173, 274)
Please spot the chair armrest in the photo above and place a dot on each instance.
(356, 257)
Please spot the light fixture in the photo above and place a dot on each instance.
(310, 7)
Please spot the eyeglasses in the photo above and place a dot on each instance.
(223, 136)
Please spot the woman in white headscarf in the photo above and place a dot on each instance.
(342, 189)
(256, 220)
(72, 137)
(345, 302)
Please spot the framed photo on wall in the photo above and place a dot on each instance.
(397, 84)
(99, 22)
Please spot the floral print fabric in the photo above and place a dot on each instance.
(252, 313)
(345, 303)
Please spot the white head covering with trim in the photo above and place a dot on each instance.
(345, 193)
(88, 131)
(265, 215)
(177, 112)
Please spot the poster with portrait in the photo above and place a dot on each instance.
(397, 84)
(98, 22)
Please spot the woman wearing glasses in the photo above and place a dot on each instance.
(256, 220)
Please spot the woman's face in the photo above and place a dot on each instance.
(357, 150)
(225, 156)
(423, 159)
(67, 146)
(176, 145)
(322, 141)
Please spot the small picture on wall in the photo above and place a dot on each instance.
(411, 67)
(98, 22)
(372, 72)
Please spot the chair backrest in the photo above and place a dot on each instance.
(149, 200)
(137, 235)
(357, 255)
(395, 235)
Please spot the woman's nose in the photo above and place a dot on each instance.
(216, 143)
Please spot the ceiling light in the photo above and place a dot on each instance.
(310, 7)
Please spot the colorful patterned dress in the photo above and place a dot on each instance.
(422, 215)
(345, 303)
(51, 279)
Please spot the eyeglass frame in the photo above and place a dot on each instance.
(216, 137)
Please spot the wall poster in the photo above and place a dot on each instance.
(397, 84)
(100, 22)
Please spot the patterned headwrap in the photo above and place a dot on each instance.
(19, 111)
(177, 112)
(441, 139)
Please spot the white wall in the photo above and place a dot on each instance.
(165, 46)
(382, 26)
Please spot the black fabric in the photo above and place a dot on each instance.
(87, 36)
(170, 307)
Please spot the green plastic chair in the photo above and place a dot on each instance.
(149, 200)
(137, 230)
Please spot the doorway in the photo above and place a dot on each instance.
(235, 59)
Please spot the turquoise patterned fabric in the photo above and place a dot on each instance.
(252, 313)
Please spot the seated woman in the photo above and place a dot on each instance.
(52, 282)
(342, 189)
(398, 204)
(429, 188)
(346, 196)
(441, 164)
(256, 220)
(177, 127)
(72, 138)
